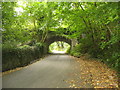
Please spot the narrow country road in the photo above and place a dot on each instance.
(51, 72)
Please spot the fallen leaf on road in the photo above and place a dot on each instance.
(96, 73)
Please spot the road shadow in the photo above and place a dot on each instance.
(58, 53)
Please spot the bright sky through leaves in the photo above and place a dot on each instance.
(20, 5)
(19, 10)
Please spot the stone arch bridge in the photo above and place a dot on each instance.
(53, 38)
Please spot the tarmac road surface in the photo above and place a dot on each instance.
(50, 72)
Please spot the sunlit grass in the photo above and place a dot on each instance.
(59, 47)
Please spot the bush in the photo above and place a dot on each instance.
(77, 54)
(76, 51)
(20, 56)
(110, 54)
(107, 52)
(68, 50)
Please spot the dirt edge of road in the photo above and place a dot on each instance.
(96, 73)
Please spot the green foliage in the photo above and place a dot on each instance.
(39, 44)
(111, 56)
(68, 50)
(94, 24)
(25, 46)
(21, 56)
(76, 51)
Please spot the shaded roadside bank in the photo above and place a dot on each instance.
(96, 73)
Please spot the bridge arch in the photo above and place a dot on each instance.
(53, 39)
(58, 38)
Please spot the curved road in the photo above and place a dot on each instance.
(50, 72)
